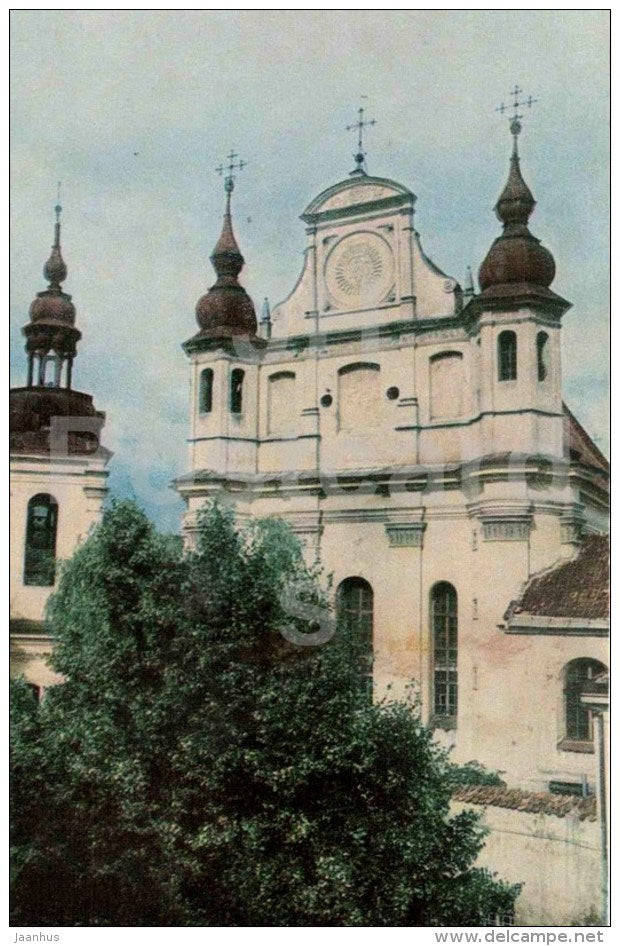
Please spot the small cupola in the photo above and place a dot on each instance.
(517, 263)
(51, 332)
(226, 309)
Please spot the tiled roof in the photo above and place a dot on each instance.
(530, 802)
(578, 445)
(578, 588)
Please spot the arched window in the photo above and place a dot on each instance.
(236, 391)
(354, 609)
(577, 717)
(542, 355)
(359, 396)
(205, 394)
(41, 527)
(444, 630)
(507, 356)
(281, 407)
(447, 384)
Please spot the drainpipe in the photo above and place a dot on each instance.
(601, 802)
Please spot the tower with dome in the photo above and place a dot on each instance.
(57, 467)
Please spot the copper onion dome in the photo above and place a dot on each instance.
(53, 306)
(516, 259)
(226, 309)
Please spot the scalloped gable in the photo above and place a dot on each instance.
(357, 192)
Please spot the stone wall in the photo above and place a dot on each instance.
(548, 843)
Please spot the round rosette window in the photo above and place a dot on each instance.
(360, 271)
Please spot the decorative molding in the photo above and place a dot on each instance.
(355, 515)
(537, 624)
(572, 524)
(453, 335)
(96, 492)
(308, 536)
(504, 523)
(402, 535)
(505, 530)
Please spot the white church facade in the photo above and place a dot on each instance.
(414, 436)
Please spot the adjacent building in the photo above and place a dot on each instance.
(57, 468)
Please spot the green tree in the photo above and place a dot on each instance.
(199, 768)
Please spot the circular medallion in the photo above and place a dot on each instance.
(359, 270)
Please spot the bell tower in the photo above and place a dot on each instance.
(57, 465)
(224, 366)
(518, 323)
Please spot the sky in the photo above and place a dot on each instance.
(134, 110)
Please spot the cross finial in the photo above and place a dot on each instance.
(58, 208)
(360, 156)
(514, 120)
(229, 170)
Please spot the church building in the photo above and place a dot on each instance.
(413, 434)
(57, 469)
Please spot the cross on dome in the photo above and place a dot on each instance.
(360, 155)
(229, 170)
(514, 120)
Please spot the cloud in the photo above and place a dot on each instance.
(133, 110)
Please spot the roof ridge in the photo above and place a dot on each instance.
(598, 453)
(527, 801)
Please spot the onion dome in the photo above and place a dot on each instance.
(53, 306)
(46, 416)
(226, 309)
(516, 262)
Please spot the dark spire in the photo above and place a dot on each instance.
(516, 202)
(53, 306)
(55, 270)
(51, 338)
(226, 309)
(51, 330)
(517, 263)
(226, 257)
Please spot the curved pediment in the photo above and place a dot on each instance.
(357, 192)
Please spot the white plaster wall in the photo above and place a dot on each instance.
(508, 685)
(29, 657)
(79, 487)
(420, 288)
(558, 861)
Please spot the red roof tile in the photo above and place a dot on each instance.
(577, 589)
(578, 445)
(531, 802)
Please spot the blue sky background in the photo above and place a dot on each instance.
(89, 89)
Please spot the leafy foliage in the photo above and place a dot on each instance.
(196, 768)
(473, 773)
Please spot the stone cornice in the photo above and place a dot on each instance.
(536, 624)
(406, 478)
(503, 522)
(403, 329)
(553, 305)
